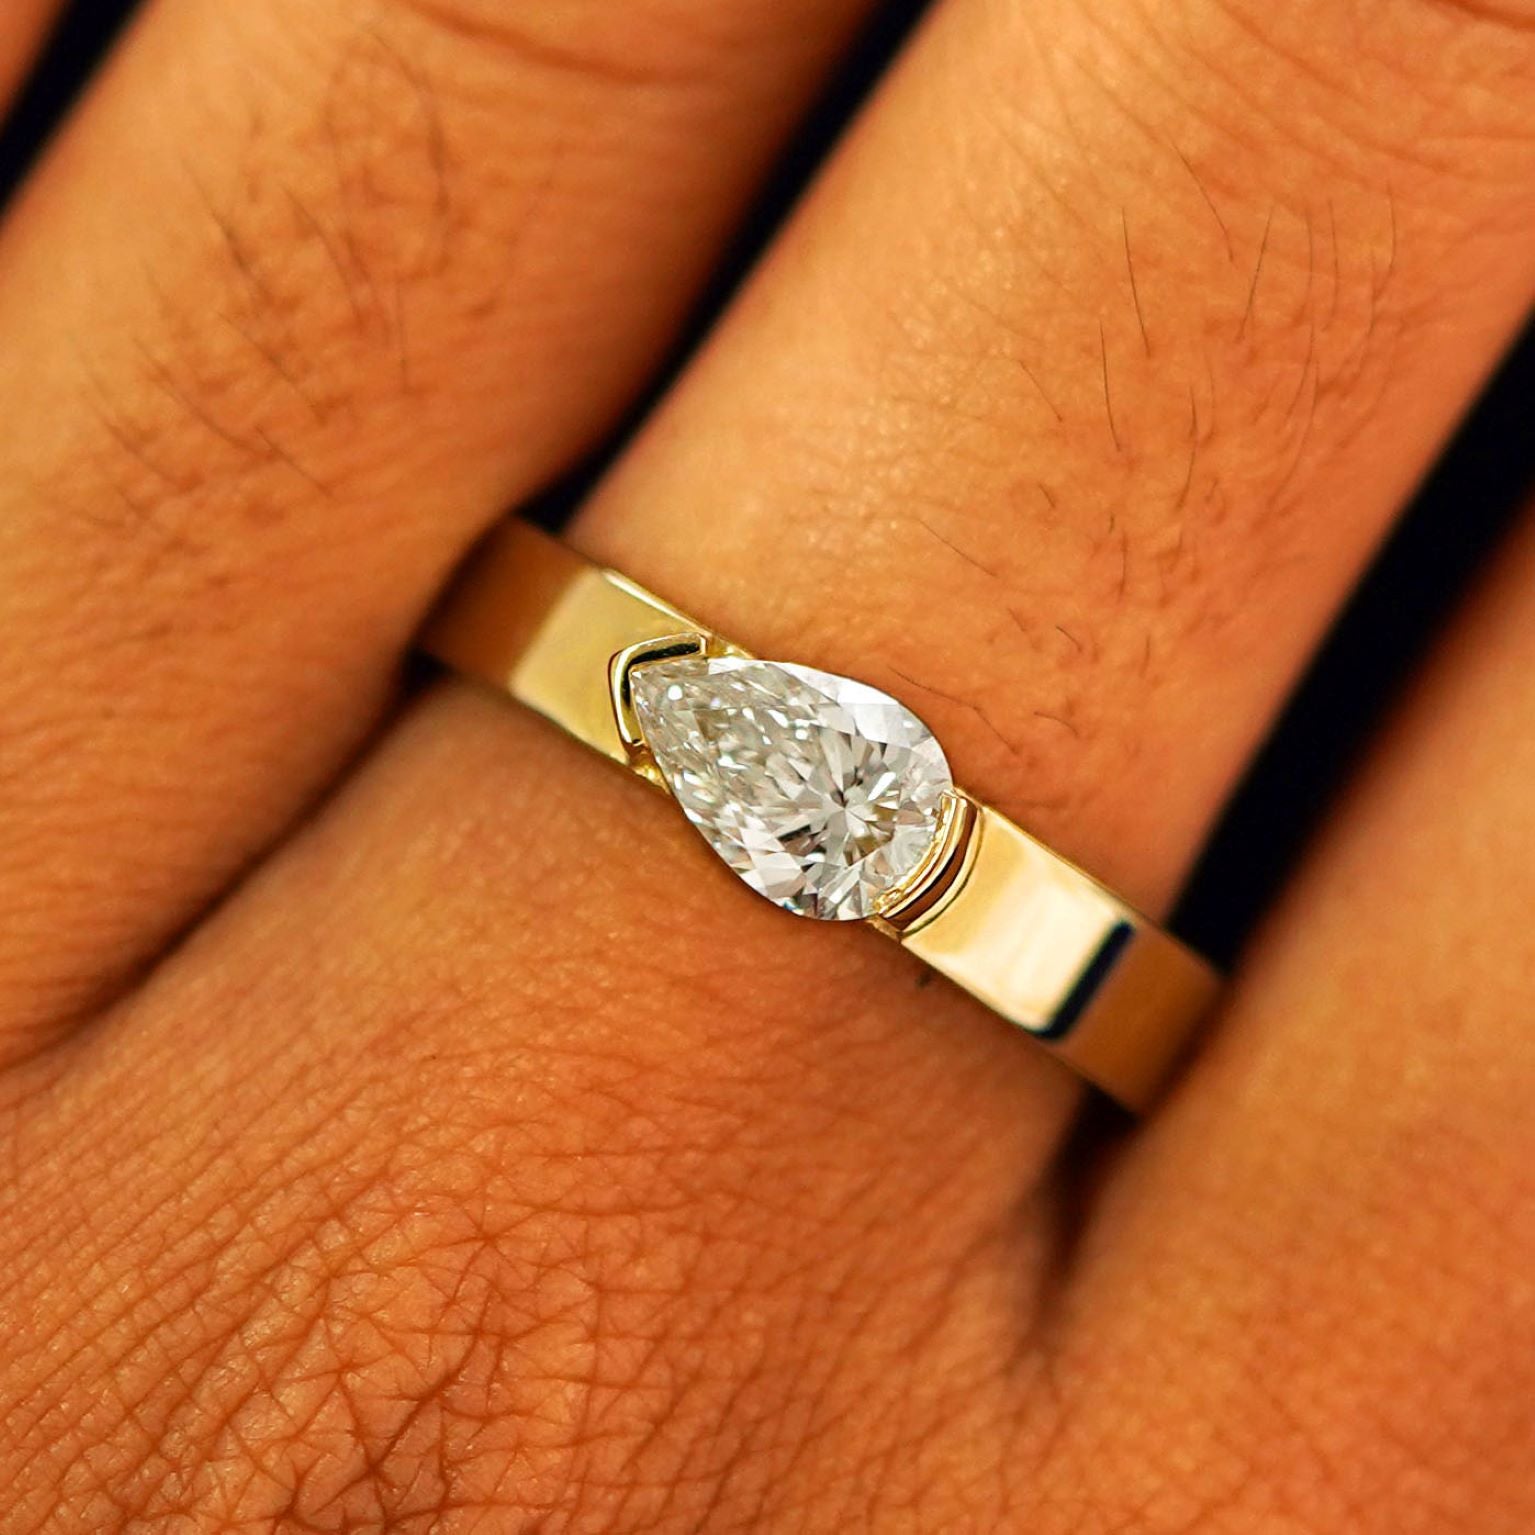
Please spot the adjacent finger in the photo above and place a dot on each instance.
(1331, 1230)
(22, 28)
(304, 296)
(1071, 425)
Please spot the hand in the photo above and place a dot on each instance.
(408, 1126)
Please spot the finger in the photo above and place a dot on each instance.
(1345, 1180)
(1073, 424)
(305, 296)
(500, 1197)
(21, 30)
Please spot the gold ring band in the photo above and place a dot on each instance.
(1019, 927)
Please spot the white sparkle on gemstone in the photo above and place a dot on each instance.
(820, 792)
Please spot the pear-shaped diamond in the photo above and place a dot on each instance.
(820, 792)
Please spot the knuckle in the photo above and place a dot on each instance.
(271, 320)
(335, 259)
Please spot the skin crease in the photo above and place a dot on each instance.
(485, 1160)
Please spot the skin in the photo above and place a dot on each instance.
(408, 1127)
(25, 24)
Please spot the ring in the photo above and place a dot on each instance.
(832, 800)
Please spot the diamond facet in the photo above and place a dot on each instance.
(823, 794)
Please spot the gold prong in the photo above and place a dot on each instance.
(940, 872)
(666, 647)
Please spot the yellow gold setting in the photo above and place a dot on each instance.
(621, 664)
(940, 876)
(1022, 929)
